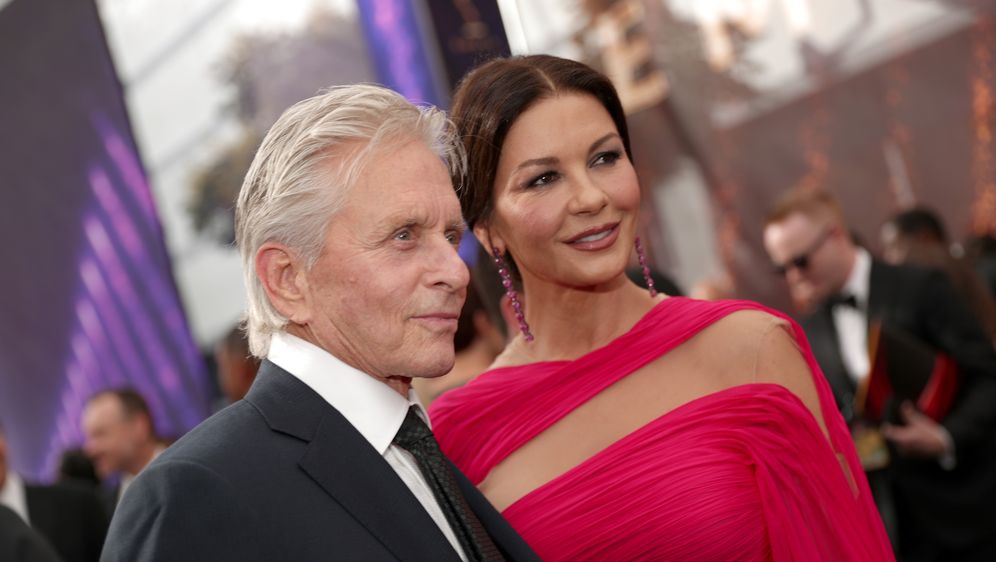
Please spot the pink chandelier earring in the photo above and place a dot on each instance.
(646, 269)
(513, 296)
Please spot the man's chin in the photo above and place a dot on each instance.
(433, 368)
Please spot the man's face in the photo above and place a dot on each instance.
(386, 292)
(895, 246)
(814, 255)
(111, 439)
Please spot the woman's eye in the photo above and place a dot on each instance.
(543, 179)
(606, 158)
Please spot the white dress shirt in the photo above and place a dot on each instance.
(13, 496)
(852, 323)
(373, 408)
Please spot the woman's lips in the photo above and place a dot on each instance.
(596, 238)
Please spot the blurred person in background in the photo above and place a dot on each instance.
(981, 251)
(348, 230)
(120, 438)
(75, 467)
(493, 297)
(918, 237)
(942, 476)
(236, 365)
(71, 518)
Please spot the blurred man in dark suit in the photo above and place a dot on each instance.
(917, 237)
(19, 543)
(71, 518)
(942, 475)
(348, 227)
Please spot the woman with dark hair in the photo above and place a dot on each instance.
(621, 424)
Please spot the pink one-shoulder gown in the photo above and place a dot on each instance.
(741, 474)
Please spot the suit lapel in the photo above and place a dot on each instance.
(826, 348)
(878, 290)
(346, 467)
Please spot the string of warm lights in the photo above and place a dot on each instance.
(983, 169)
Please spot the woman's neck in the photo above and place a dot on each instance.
(567, 323)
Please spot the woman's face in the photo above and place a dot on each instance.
(566, 196)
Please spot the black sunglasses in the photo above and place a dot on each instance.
(801, 261)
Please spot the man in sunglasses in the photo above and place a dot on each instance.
(941, 477)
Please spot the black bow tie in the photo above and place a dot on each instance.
(842, 299)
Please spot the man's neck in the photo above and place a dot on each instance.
(145, 456)
(399, 384)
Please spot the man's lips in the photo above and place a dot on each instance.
(439, 319)
(440, 315)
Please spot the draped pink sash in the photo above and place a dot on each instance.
(740, 474)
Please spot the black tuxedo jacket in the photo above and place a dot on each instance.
(952, 508)
(20, 543)
(71, 518)
(282, 475)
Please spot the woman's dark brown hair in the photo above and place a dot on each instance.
(493, 96)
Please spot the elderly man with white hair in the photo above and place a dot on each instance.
(348, 227)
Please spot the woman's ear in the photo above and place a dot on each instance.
(488, 238)
(282, 274)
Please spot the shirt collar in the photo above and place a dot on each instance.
(13, 495)
(368, 404)
(859, 281)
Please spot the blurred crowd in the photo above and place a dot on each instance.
(68, 519)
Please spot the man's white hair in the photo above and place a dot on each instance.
(304, 169)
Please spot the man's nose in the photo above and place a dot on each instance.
(450, 270)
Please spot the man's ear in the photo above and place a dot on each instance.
(282, 273)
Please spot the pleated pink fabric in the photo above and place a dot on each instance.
(740, 474)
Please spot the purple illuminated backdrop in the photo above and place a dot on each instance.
(87, 299)
(397, 48)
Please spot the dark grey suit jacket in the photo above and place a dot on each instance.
(953, 508)
(282, 475)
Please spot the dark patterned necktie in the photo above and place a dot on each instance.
(416, 438)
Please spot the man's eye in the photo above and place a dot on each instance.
(404, 235)
(454, 237)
